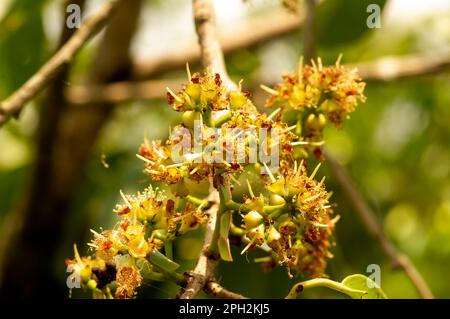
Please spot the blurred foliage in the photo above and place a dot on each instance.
(396, 147)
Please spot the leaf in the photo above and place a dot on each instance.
(361, 282)
(223, 243)
(161, 261)
(355, 286)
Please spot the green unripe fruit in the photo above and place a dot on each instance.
(275, 199)
(220, 117)
(316, 122)
(92, 284)
(189, 117)
(160, 234)
(253, 219)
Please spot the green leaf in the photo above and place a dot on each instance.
(355, 286)
(223, 244)
(360, 282)
(161, 261)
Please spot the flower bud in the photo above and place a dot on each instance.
(277, 187)
(237, 99)
(275, 199)
(193, 90)
(316, 122)
(189, 118)
(253, 219)
(92, 284)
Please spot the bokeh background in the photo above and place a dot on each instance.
(64, 161)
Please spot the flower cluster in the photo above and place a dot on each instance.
(318, 94)
(220, 130)
(220, 134)
(294, 220)
(148, 221)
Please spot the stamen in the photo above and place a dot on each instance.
(272, 178)
(176, 97)
(145, 159)
(269, 90)
(315, 171)
(250, 190)
(125, 199)
(272, 115)
(338, 61)
(248, 246)
(188, 71)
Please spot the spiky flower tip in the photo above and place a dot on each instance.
(294, 220)
(333, 91)
(148, 221)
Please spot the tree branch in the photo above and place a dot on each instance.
(309, 50)
(382, 69)
(394, 67)
(207, 262)
(13, 105)
(212, 59)
(213, 288)
(263, 28)
(375, 230)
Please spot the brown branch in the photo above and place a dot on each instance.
(212, 58)
(395, 67)
(378, 70)
(263, 28)
(215, 289)
(309, 50)
(14, 104)
(375, 230)
(207, 262)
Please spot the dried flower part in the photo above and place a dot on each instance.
(127, 279)
(333, 91)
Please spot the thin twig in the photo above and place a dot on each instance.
(374, 228)
(13, 105)
(309, 30)
(394, 67)
(213, 288)
(211, 54)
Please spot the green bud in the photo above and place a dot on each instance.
(189, 118)
(253, 219)
(237, 99)
(92, 284)
(275, 199)
(193, 90)
(316, 122)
